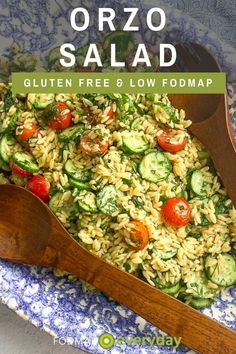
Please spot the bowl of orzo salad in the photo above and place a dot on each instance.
(129, 182)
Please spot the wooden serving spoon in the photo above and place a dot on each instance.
(209, 114)
(31, 234)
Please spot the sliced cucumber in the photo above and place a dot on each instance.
(200, 303)
(79, 185)
(155, 167)
(172, 290)
(79, 175)
(133, 143)
(223, 272)
(71, 133)
(198, 283)
(40, 100)
(134, 123)
(69, 207)
(87, 202)
(26, 161)
(171, 252)
(183, 194)
(196, 182)
(107, 200)
(7, 144)
(55, 203)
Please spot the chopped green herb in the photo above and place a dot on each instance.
(127, 181)
(127, 266)
(138, 202)
(8, 101)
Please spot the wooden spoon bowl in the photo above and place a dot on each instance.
(209, 114)
(31, 234)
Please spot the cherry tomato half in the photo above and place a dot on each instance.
(19, 171)
(40, 187)
(176, 212)
(164, 140)
(137, 238)
(93, 144)
(26, 133)
(58, 115)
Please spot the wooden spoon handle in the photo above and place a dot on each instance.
(217, 135)
(196, 330)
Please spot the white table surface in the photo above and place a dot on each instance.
(18, 336)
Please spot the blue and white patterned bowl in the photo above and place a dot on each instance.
(58, 305)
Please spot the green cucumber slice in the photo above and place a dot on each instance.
(134, 123)
(155, 167)
(197, 182)
(7, 144)
(133, 143)
(71, 133)
(87, 202)
(79, 185)
(25, 161)
(172, 290)
(40, 100)
(198, 283)
(200, 303)
(107, 200)
(69, 207)
(165, 254)
(55, 203)
(79, 175)
(223, 272)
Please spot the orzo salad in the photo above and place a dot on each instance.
(128, 181)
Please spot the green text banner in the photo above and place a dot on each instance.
(92, 82)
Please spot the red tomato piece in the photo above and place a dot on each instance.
(40, 187)
(58, 115)
(93, 146)
(110, 113)
(19, 171)
(164, 141)
(26, 133)
(176, 212)
(138, 236)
